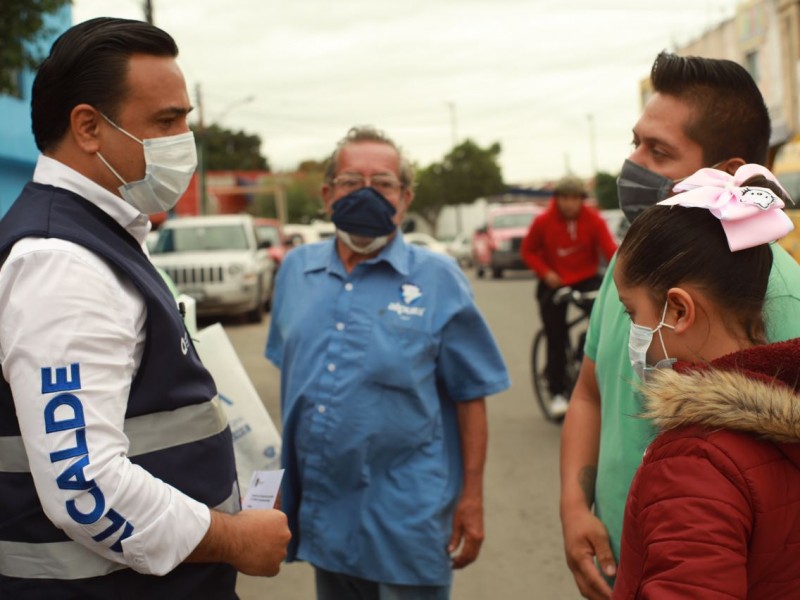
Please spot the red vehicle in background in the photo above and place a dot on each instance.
(495, 246)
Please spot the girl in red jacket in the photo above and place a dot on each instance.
(714, 509)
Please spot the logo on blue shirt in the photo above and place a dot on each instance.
(409, 293)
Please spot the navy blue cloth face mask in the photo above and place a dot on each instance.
(364, 212)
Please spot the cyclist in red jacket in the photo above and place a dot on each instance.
(563, 246)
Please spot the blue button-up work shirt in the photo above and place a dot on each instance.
(372, 365)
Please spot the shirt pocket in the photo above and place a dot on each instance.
(401, 354)
(400, 371)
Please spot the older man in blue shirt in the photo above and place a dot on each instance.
(385, 365)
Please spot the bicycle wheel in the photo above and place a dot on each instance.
(541, 389)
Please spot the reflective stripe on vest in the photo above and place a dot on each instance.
(67, 560)
(147, 433)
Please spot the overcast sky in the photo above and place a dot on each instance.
(539, 76)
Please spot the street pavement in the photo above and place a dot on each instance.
(522, 556)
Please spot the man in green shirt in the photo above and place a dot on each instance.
(703, 113)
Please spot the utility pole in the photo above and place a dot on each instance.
(592, 147)
(281, 210)
(453, 129)
(148, 11)
(201, 151)
(454, 133)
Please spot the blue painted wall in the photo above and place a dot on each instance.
(18, 151)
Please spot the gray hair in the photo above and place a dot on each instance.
(368, 133)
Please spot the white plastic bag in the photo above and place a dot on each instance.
(256, 441)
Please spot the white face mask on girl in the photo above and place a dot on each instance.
(170, 162)
(638, 343)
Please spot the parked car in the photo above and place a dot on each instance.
(426, 241)
(218, 261)
(299, 233)
(496, 245)
(269, 233)
(460, 248)
(786, 167)
(151, 240)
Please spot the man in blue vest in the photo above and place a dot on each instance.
(117, 476)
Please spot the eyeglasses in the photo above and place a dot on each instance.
(385, 184)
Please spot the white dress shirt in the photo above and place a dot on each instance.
(62, 304)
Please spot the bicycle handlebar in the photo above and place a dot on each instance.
(568, 294)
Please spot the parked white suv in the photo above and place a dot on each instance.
(217, 261)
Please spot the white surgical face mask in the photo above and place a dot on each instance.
(376, 243)
(170, 162)
(639, 342)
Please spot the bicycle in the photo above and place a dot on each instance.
(576, 333)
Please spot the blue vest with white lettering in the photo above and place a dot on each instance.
(169, 377)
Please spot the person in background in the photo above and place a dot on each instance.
(385, 365)
(714, 508)
(563, 247)
(702, 113)
(117, 474)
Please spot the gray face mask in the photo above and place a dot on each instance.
(639, 188)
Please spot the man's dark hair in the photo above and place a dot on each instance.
(88, 64)
(731, 119)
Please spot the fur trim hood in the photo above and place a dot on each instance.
(756, 391)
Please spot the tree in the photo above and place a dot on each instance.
(227, 150)
(304, 194)
(304, 197)
(605, 190)
(468, 172)
(21, 31)
(303, 200)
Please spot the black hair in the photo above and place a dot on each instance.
(667, 246)
(88, 64)
(731, 119)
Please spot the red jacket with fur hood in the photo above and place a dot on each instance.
(714, 510)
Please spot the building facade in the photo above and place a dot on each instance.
(18, 151)
(763, 37)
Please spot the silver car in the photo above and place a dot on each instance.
(218, 261)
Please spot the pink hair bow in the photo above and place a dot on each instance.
(750, 215)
